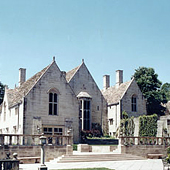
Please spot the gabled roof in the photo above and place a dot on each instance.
(113, 94)
(15, 96)
(71, 73)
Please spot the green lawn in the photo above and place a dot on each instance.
(87, 169)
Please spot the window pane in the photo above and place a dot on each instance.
(50, 109)
(55, 109)
(55, 97)
(50, 97)
(60, 130)
(50, 129)
(55, 129)
(88, 105)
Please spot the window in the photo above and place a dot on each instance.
(111, 121)
(53, 101)
(48, 131)
(168, 121)
(134, 103)
(58, 131)
(16, 110)
(85, 114)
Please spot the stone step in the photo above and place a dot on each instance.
(98, 157)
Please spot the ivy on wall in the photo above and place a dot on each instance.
(127, 126)
(148, 125)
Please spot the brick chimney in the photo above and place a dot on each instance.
(22, 76)
(106, 82)
(119, 78)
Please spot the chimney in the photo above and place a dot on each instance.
(119, 77)
(106, 82)
(22, 76)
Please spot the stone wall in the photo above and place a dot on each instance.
(126, 100)
(51, 151)
(36, 111)
(82, 81)
(143, 150)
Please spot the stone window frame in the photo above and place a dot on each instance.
(54, 130)
(54, 103)
(134, 103)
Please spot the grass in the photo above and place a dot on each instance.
(87, 169)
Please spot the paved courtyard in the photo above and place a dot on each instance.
(149, 164)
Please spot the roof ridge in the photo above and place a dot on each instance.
(70, 74)
(19, 92)
(130, 82)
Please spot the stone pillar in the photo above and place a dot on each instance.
(69, 150)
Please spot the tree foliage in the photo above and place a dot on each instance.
(150, 86)
(127, 125)
(148, 125)
(166, 90)
(2, 90)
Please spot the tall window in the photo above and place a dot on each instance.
(134, 103)
(53, 103)
(85, 114)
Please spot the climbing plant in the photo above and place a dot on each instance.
(127, 127)
(148, 125)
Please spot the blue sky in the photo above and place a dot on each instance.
(107, 34)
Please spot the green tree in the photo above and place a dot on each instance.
(150, 86)
(166, 90)
(2, 90)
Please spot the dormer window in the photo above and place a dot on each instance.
(134, 103)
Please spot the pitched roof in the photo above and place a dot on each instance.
(113, 95)
(15, 95)
(71, 73)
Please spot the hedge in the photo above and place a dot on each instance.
(148, 125)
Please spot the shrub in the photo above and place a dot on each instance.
(148, 125)
(125, 115)
(127, 127)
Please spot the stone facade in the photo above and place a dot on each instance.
(53, 102)
(122, 97)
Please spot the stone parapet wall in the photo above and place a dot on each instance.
(51, 151)
(95, 148)
(144, 150)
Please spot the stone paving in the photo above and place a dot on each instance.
(149, 164)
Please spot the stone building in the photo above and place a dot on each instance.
(122, 97)
(52, 102)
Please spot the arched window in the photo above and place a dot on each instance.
(53, 102)
(134, 103)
